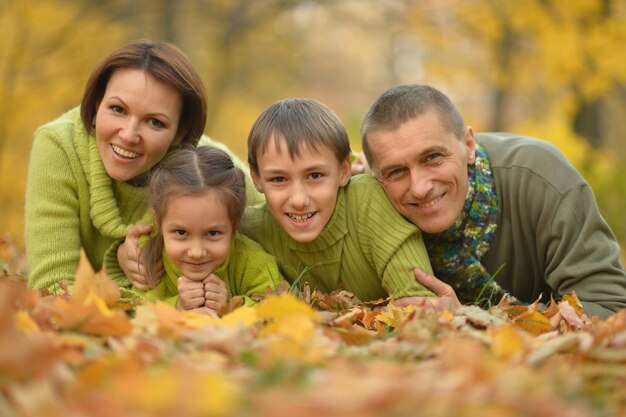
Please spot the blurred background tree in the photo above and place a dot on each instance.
(549, 68)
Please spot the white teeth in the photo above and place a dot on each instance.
(125, 153)
(300, 218)
(429, 204)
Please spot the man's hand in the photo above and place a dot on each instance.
(215, 293)
(446, 298)
(190, 294)
(130, 261)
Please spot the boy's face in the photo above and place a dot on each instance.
(301, 193)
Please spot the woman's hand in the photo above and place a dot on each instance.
(130, 261)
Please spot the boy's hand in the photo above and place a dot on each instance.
(446, 297)
(359, 164)
(215, 293)
(130, 261)
(191, 294)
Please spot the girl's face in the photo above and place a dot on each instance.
(136, 123)
(197, 232)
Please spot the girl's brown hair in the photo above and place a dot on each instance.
(166, 63)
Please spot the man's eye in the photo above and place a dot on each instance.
(433, 157)
(395, 174)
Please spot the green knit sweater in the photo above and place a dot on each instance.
(248, 270)
(366, 248)
(73, 204)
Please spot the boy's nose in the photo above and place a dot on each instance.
(299, 197)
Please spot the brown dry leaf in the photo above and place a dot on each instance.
(98, 283)
(570, 316)
(572, 300)
(92, 316)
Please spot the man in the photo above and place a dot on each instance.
(491, 205)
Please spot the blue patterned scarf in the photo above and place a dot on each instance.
(455, 253)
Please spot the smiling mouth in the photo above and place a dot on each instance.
(430, 203)
(300, 219)
(124, 152)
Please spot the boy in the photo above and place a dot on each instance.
(335, 231)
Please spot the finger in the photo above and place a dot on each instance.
(212, 278)
(215, 306)
(218, 297)
(193, 302)
(438, 287)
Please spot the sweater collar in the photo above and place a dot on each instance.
(105, 210)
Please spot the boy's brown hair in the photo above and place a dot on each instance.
(299, 122)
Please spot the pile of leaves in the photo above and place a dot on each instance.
(309, 354)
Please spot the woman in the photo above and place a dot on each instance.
(88, 168)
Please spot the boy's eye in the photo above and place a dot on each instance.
(316, 175)
(214, 233)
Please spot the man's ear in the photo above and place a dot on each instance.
(470, 144)
(345, 172)
(256, 179)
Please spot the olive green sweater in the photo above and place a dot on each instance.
(73, 204)
(551, 237)
(366, 248)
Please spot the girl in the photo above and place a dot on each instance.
(197, 199)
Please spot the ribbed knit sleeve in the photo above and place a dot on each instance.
(393, 245)
(52, 211)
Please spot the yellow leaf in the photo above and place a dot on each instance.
(284, 305)
(25, 323)
(244, 315)
(507, 341)
(534, 322)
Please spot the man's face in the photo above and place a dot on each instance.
(423, 169)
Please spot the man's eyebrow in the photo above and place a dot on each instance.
(425, 152)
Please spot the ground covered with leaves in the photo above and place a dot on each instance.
(303, 354)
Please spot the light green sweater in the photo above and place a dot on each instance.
(366, 248)
(248, 270)
(73, 204)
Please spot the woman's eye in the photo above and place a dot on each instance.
(156, 123)
(117, 109)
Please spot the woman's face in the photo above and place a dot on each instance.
(136, 123)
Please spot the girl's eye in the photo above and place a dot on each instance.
(156, 123)
(180, 232)
(277, 179)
